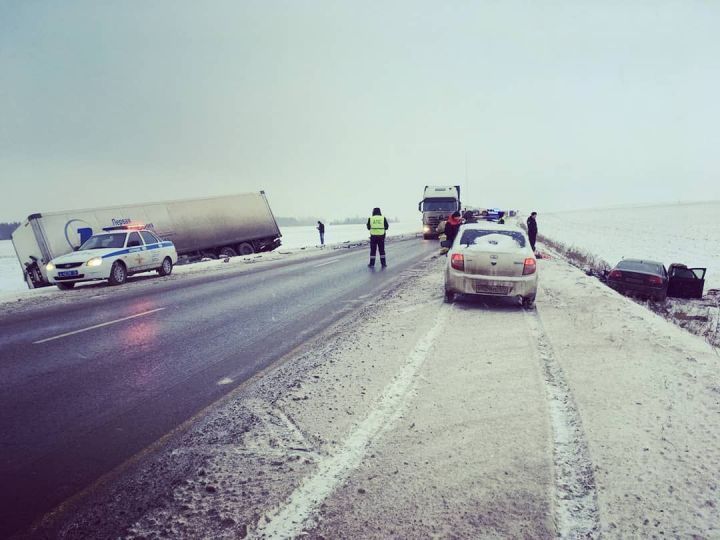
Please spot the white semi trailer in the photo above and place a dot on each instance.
(219, 226)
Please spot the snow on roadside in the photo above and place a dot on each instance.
(681, 233)
(469, 450)
(294, 239)
(685, 233)
(237, 264)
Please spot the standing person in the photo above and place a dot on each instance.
(532, 230)
(452, 226)
(469, 217)
(377, 225)
(321, 230)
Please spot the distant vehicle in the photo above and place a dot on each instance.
(684, 282)
(113, 256)
(212, 227)
(492, 214)
(646, 279)
(491, 260)
(437, 204)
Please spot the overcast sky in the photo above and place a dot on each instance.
(335, 107)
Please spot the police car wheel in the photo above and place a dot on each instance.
(118, 274)
(166, 267)
(65, 286)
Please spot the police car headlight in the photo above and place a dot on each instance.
(49, 267)
(96, 261)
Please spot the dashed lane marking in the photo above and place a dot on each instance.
(97, 326)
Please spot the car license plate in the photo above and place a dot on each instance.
(485, 288)
(634, 280)
(68, 273)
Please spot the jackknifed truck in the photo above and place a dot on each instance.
(213, 227)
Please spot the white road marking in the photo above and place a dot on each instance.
(331, 261)
(288, 520)
(226, 380)
(97, 326)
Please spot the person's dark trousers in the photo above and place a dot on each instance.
(322, 239)
(377, 243)
(532, 242)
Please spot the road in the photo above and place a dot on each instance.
(587, 417)
(86, 385)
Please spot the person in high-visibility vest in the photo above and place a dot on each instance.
(377, 225)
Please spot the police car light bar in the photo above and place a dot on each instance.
(128, 227)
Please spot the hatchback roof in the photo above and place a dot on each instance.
(491, 226)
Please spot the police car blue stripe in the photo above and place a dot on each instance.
(137, 249)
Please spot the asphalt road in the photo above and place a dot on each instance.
(86, 385)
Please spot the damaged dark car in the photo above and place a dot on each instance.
(637, 277)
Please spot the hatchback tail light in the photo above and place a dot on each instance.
(655, 280)
(457, 261)
(615, 274)
(529, 267)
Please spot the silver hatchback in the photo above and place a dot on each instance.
(491, 259)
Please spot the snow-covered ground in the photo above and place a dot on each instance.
(682, 233)
(293, 239)
(589, 417)
(10, 270)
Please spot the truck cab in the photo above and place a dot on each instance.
(437, 204)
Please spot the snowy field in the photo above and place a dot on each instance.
(681, 233)
(10, 270)
(294, 238)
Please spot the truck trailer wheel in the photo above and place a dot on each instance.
(227, 251)
(65, 286)
(246, 248)
(166, 267)
(118, 274)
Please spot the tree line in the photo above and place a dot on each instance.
(6, 229)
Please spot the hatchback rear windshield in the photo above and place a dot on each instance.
(104, 241)
(639, 266)
(470, 236)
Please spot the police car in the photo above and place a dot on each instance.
(113, 255)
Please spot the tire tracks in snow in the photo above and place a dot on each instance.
(575, 499)
(289, 520)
